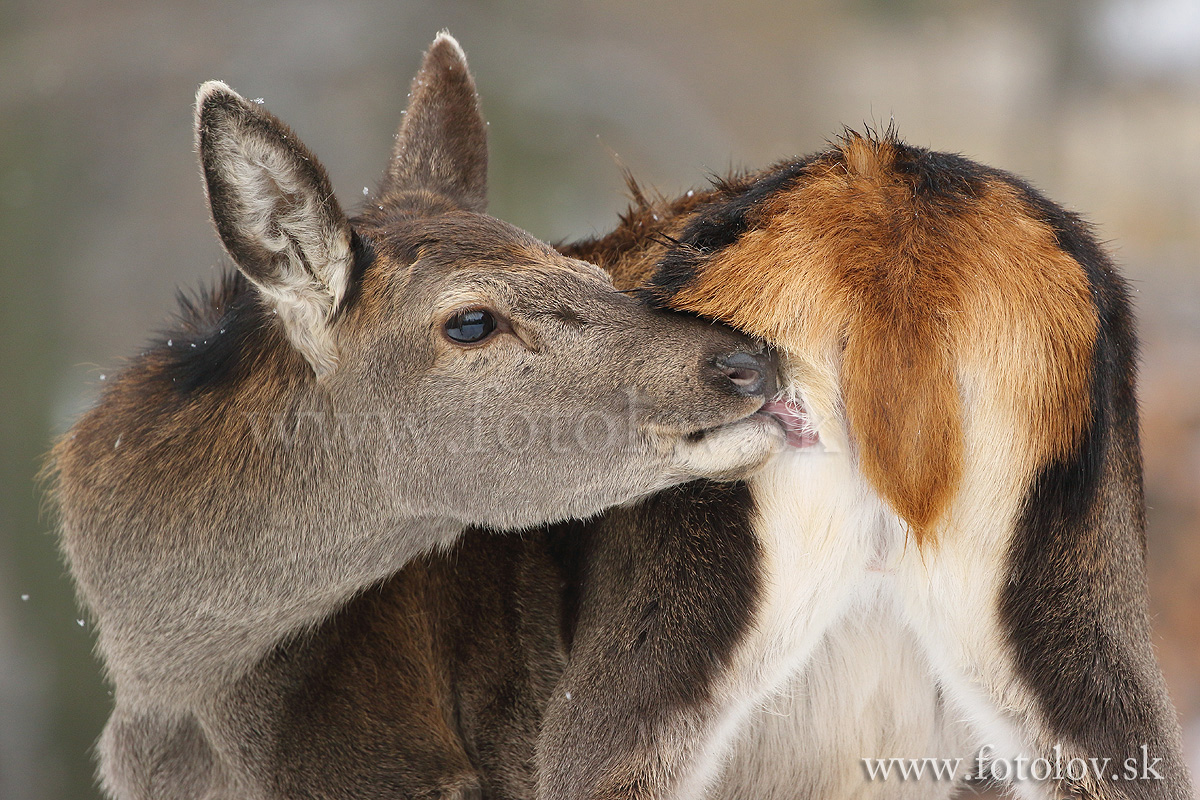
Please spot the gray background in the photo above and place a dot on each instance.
(102, 215)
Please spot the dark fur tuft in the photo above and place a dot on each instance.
(216, 329)
(219, 327)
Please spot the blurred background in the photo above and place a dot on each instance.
(102, 215)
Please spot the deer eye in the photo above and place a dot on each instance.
(469, 327)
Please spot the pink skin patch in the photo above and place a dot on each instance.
(791, 417)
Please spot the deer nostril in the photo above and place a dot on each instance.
(750, 374)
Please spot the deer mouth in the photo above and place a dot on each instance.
(792, 417)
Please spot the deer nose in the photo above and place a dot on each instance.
(751, 374)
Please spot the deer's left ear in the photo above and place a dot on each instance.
(274, 210)
(442, 143)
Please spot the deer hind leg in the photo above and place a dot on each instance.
(1092, 720)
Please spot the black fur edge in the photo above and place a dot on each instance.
(1074, 607)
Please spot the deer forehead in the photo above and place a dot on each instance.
(514, 278)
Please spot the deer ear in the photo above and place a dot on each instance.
(274, 210)
(442, 143)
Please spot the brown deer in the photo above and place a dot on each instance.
(353, 397)
(946, 562)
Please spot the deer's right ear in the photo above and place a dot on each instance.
(442, 143)
(274, 210)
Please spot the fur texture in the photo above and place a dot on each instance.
(311, 427)
(956, 566)
(973, 516)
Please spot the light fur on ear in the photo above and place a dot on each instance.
(273, 207)
(441, 146)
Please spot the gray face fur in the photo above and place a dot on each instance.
(314, 424)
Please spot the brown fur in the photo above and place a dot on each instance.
(324, 418)
(907, 292)
(961, 314)
(977, 346)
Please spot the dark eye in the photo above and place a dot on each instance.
(468, 327)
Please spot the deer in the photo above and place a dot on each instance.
(946, 563)
(360, 393)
